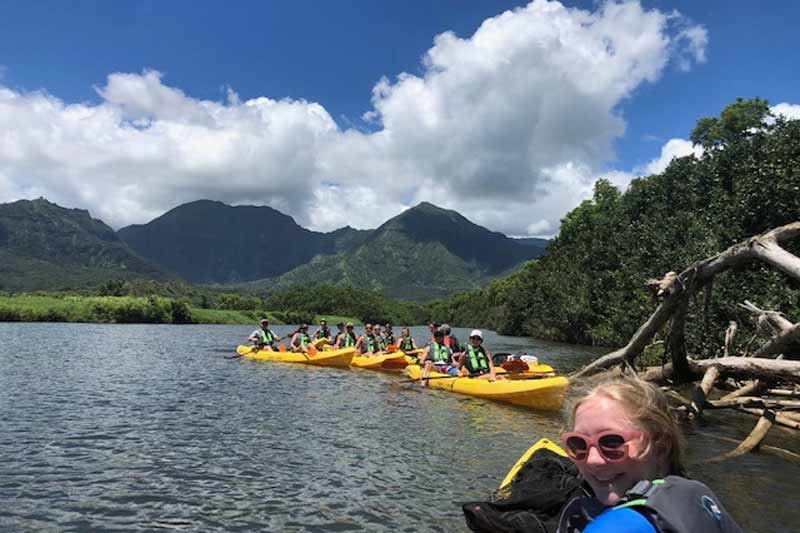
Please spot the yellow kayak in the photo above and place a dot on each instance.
(323, 358)
(546, 393)
(542, 371)
(388, 361)
(321, 343)
(541, 444)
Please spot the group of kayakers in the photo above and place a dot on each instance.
(623, 439)
(442, 353)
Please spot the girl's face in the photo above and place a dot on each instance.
(611, 479)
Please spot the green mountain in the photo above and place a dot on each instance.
(211, 242)
(423, 253)
(45, 246)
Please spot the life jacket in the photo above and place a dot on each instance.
(368, 344)
(324, 333)
(301, 339)
(672, 505)
(407, 344)
(381, 342)
(267, 337)
(390, 338)
(476, 361)
(349, 340)
(439, 354)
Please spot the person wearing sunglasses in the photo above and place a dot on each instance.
(347, 338)
(629, 449)
(476, 361)
(367, 344)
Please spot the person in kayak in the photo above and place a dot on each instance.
(323, 332)
(388, 335)
(476, 361)
(379, 339)
(301, 340)
(367, 344)
(450, 340)
(339, 331)
(263, 337)
(629, 449)
(437, 356)
(433, 326)
(347, 338)
(407, 342)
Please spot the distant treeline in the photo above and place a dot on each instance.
(589, 288)
(125, 301)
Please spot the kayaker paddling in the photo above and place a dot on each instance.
(301, 340)
(263, 338)
(476, 361)
(629, 450)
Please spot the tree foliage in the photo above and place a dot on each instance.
(589, 287)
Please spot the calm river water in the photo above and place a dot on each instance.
(141, 427)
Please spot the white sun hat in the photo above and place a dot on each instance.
(476, 333)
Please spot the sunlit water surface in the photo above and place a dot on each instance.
(142, 427)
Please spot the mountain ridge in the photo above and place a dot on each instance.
(424, 252)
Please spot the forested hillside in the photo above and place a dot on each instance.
(589, 288)
(45, 246)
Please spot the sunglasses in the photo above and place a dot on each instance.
(611, 445)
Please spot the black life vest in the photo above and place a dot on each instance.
(476, 361)
(324, 333)
(407, 344)
(368, 344)
(390, 338)
(673, 505)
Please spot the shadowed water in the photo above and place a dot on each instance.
(146, 427)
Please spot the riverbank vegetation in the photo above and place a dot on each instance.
(590, 287)
(126, 302)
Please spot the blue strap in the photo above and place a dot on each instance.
(620, 521)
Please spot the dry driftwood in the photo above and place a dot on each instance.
(765, 247)
(700, 393)
(753, 439)
(772, 450)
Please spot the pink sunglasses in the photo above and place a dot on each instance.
(612, 445)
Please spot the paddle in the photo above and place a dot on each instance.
(426, 379)
(470, 377)
(238, 355)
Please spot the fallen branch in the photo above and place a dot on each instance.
(753, 439)
(771, 450)
(700, 393)
(780, 419)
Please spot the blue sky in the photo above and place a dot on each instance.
(334, 54)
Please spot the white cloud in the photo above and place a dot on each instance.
(790, 111)
(510, 126)
(672, 149)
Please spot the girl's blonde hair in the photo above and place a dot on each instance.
(648, 409)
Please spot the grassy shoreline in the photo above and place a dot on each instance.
(126, 310)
